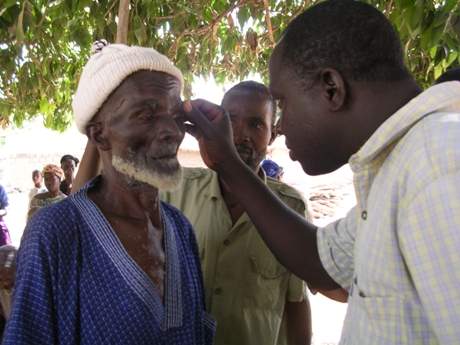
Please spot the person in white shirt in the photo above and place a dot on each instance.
(37, 179)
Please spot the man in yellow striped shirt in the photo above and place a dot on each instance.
(346, 96)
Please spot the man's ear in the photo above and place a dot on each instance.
(95, 130)
(334, 88)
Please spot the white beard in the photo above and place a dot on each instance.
(150, 176)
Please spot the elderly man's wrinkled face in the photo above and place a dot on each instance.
(146, 128)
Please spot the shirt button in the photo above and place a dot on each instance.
(226, 242)
(218, 291)
(364, 215)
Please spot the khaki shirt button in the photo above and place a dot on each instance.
(364, 215)
(226, 242)
(218, 291)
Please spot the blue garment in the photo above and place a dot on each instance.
(3, 198)
(271, 169)
(76, 284)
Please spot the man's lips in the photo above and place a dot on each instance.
(243, 150)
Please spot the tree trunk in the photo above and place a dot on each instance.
(123, 22)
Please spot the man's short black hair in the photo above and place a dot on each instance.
(257, 88)
(71, 158)
(350, 36)
(452, 74)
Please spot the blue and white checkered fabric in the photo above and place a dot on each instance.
(77, 285)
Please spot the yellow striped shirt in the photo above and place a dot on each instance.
(398, 249)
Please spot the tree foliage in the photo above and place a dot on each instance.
(45, 43)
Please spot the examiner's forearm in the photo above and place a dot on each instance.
(289, 236)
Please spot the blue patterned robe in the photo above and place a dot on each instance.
(76, 284)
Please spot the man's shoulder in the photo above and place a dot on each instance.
(288, 194)
(193, 180)
(60, 215)
(433, 141)
(197, 174)
(284, 189)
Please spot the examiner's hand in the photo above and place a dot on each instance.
(212, 128)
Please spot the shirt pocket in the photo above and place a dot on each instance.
(267, 283)
(385, 318)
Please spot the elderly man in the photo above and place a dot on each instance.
(346, 96)
(111, 264)
(253, 298)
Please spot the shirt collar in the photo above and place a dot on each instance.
(438, 98)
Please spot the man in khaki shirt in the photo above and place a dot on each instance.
(253, 298)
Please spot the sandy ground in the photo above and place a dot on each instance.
(329, 196)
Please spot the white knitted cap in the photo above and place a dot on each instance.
(106, 69)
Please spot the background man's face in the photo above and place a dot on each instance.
(251, 115)
(37, 179)
(68, 166)
(146, 128)
(52, 182)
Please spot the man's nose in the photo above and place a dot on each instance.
(240, 132)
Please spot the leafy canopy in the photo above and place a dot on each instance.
(45, 43)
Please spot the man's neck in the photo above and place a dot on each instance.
(116, 197)
(54, 194)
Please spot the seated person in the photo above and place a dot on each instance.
(111, 264)
(53, 176)
(68, 165)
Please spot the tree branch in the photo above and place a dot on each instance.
(269, 22)
(123, 22)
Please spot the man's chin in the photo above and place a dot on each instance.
(163, 178)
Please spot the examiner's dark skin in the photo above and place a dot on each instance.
(324, 106)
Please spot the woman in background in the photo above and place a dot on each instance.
(53, 176)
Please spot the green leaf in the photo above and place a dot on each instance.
(449, 6)
(451, 58)
(243, 15)
(433, 51)
(438, 70)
